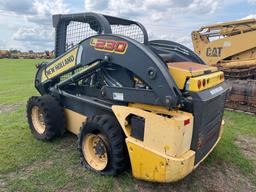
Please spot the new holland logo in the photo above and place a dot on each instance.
(109, 45)
(60, 65)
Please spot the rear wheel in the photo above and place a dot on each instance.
(102, 145)
(45, 117)
(95, 151)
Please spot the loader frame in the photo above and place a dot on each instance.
(139, 60)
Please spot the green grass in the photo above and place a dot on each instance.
(30, 165)
(236, 124)
(17, 80)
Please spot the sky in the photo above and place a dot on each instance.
(27, 24)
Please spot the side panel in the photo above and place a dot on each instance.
(74, 120)
(84, 107)
(146, 164)
(151, 166)
(168, 136)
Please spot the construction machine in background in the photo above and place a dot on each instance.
(14, 54)
(32, 54)
(4, 54)
(231, 46)
(48, 54)
(17, 54)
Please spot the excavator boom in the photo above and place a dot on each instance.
(231, 46)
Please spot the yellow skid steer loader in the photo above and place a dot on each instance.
(153, 105)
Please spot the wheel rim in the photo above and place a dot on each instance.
(38, 119)
(95, 151)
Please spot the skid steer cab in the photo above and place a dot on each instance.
(151, 105)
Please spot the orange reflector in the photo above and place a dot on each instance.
(186, 122)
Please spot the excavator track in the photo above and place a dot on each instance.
(242, 95)
(246, 73)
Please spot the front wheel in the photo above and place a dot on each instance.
(102, 145)
(45, 117)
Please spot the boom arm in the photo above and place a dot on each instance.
(221, 43)
(136, 58)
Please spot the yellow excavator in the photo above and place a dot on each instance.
(231, 46)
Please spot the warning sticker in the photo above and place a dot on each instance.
(216, 90)
(118, 96)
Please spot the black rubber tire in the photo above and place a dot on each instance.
(116, 150)
(53, 115)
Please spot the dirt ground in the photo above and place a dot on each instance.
(247, 145)
(4, 108)
(215, 178)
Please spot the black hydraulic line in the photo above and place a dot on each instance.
(85, 99)
(80, 74)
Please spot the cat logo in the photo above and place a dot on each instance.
(213, 52)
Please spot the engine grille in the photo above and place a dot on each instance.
(208, 116)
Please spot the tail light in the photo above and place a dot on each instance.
(199, 84)
(186, 122)
(204, 82)
(222, 76)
